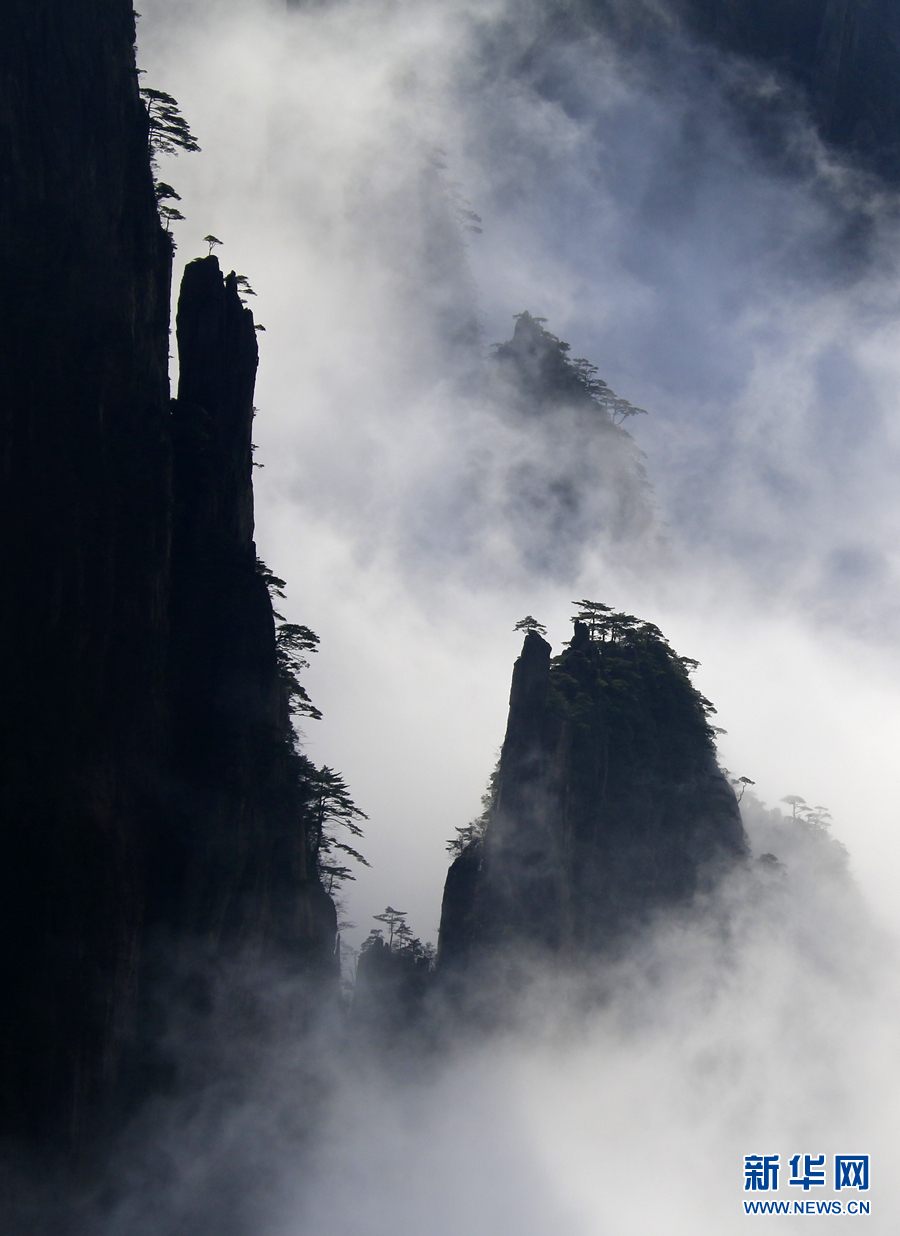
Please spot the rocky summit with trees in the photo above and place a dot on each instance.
(607, 805)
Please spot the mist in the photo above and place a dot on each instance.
(673, 215)
(617, 1096)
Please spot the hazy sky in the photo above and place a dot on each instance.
(745, 295)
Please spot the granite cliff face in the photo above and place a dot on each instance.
(151, 801)
(84, 488)
(840, 57)
(843, 54)
(148, 788)
(609, 804)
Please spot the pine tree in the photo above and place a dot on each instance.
(169, 131)
(330, 809)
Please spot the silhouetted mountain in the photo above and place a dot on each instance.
(573, 477)
(608, 804)
(152, 803)
(150, 798)
(391, 987)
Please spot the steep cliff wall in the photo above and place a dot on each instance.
(841, 56)
(844, 53)
(148, 789)
(84, 513)
(609, 802)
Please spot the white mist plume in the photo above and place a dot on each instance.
(621, 1099)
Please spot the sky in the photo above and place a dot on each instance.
(673, 216)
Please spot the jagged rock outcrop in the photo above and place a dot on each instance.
(390, 989)
(609, 803)
(236, 864)
(147, 790)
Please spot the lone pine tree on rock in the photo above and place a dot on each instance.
(530, 624)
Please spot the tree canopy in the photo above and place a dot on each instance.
(530, 624)
(164, 194)
(401, 940)
(292, 642)
(331, 809)
(169, 131)
(627, 643)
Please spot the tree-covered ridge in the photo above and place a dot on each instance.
(624, 669)
(635, 665)
(542, 363)
(573, 477)
(401, 941)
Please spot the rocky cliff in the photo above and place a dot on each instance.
(608, 805)
(235, 865)
(839, 58)
(843, 54)
(573, 475)
(147, 787)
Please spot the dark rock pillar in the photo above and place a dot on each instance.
(524, 862)
(236, 868)
(609, 807)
